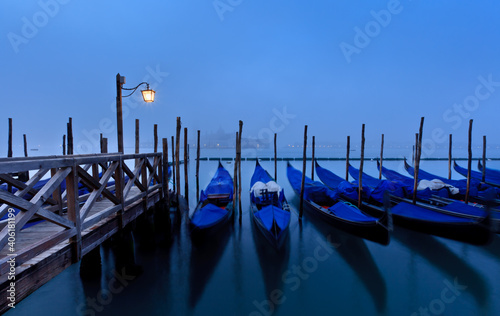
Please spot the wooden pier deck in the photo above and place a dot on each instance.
(80, 210)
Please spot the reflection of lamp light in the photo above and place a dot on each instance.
(148, 95)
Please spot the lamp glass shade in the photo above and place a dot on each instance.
(148, 95)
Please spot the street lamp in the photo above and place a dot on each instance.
(148, 95)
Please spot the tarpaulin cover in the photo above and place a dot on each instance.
(221, 184)
(318, 193)
(490, 177)
(208, 215)
(271, 213)
(417, 212)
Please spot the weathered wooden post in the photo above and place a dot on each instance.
(449, 158)
(100, 141)
(165, 173)
(70, 136)
(312, 157)
(64, 145)
(177, 150)
(137, 140)
(198, 168)
(239, 166)
(104, 148)
(275, 160)
(155, 133)
(9, 149)
(483, 178)
(381, 157)
(418, 154)
(174, 173)
(304, 156)
(186, 183)
(74, 211)
(360, 181)
(25, 146)
(469, 163)
(235, 173)
(347, 158)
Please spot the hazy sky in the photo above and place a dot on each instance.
(277, 65)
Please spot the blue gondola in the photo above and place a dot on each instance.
(270, 209)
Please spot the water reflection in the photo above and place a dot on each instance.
(273, 262)
(205, 254)
(448, 263)
(357, 255)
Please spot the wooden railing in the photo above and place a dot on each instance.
(67, 198)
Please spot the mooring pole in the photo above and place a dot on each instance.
(177, 149)
(347, 158)
(186, 183)
(64, 145)
(381, 157)
(239, 167)
(449, 158)
(360, 180)
(198, 169)
(235, 173)
(25, 146)
(483, 179)
(70, 136)
(417, 159)
(174, 165)
(469, 163)
(312, 158)
(165, 173)
(275, 160)
(155, 133)
(9, 149)
(304, 156)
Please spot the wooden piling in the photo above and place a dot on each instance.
(177, 149)
(483, 178)
(418, 154)
(198, 168)
(469, 163)
(137, 140)
(186, 183)
(312, 157)
(381, 157)
(347, 158)
(174, 173)
(360, 179)
(415, 163)
(304, 156)
(449, 158)
(235, 173)
(104, 147)
(9, 149)
(155, 132)
(100, 141)
(25, 146)
(64, 145)
(239, 167)
(70, 136)
(275, 159)
(165, 173)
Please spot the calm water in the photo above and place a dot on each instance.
(320, 271)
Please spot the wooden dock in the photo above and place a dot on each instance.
(80, 207)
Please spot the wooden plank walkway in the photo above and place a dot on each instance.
(80, 211)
